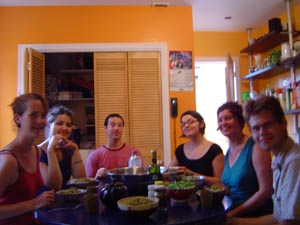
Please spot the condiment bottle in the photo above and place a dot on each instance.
(154, 168)
(135, 160)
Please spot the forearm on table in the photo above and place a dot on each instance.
(253, 203)
(12, 210)
(263, 220)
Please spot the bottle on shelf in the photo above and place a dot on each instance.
(134, 160)
(154, 168)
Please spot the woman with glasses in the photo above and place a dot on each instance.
(199, 155)
(247, 170)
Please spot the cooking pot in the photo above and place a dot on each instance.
(136, 179)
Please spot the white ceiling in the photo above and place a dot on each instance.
(208, 15)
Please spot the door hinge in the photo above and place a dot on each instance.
(28, 66)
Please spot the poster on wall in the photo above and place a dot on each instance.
(181, 73)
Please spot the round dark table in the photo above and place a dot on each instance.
(188, 213)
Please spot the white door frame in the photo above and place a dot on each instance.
(111, 47)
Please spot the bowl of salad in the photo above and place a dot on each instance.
(70, 194)
(138, 207)
(81, 182)
(180, 190)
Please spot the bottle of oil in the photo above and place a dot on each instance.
(154, 168)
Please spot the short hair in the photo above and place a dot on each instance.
(19, 104)
(235, 109)
(264, 104)
(197, 116)
(113, 115)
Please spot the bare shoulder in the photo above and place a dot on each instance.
(261, 158)
(259, 152)
(8, 168)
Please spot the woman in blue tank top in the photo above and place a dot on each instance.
(247, 170)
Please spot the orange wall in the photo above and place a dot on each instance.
(86, 24)
(219, 44)
(105, 24)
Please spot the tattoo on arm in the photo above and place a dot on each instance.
(77, 161)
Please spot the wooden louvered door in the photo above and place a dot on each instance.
(35, 68)
(145, 121)
(130, 84)
(111, 88)
(35, 76)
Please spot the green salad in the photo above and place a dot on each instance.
(70, 191)
(182, 184)
(81, 180)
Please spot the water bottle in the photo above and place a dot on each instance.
(134, 160)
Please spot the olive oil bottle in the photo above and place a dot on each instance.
(154, 168)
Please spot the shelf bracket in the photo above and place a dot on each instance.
(249, 42)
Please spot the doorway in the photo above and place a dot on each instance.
(211, 92)
(95, 47)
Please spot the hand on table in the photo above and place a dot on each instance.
(44, 199)
(101, 172)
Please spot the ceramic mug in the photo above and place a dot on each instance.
(285, 50)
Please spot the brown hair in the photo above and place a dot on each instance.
(235, 109)
(19, 104)
(197, 116)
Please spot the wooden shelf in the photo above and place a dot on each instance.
(77, 71)
(89, 125)
(293, 111)
(275, 70)
(293, 61)
(76, 99)
(268, 41)
(267, 72)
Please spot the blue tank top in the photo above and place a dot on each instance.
(241, 178)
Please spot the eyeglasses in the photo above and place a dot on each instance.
(267, 125)
(189, 122)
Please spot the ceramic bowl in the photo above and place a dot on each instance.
(138, 207)
(182, 194)
(81, 183)
(71, 194)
